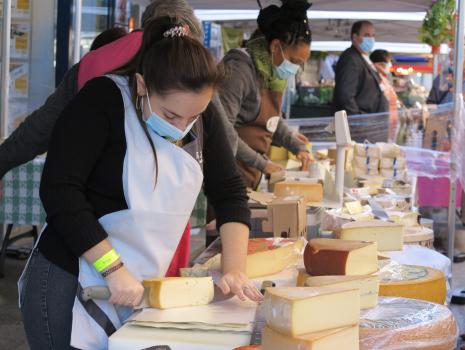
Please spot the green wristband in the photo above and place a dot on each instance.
(106, 260)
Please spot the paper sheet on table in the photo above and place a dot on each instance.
(230, 315)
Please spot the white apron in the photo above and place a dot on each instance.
(147, 234)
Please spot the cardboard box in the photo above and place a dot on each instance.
(287, 218)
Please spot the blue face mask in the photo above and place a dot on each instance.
(367, 44)
(286, 69)
(164, 129)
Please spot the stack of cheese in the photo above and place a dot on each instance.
(366, 160)
(309, 318)
(393, 164)
(338, 263)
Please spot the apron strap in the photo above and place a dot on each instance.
(96, 313)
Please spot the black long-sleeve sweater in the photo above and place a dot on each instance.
(82, 179)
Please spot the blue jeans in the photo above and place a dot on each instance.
(47, 300)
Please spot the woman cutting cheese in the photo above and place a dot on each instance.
(123, 172)
(255, 80)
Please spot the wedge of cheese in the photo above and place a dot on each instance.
(368, 286)
(171, 292)
(354, 207)
(339, 338)
(264, 257)
(389, 236)
(325, 257)
(312, 192)
(408, 219)
(300, 310)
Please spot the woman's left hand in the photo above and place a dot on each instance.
(306, 158)
(238, 283)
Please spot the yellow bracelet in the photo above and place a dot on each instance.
(106, 260)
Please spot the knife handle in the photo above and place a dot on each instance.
(96, 292)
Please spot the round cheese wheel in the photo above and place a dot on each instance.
(417, 282)
(407, 324)
(419, 235)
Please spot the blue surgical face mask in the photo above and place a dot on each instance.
(164, 129)
(286, 69)
(367, 44)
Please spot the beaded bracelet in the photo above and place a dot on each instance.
(108, 272)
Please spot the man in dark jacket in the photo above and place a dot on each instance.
(358, 88)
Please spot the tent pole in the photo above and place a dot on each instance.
(458, 89)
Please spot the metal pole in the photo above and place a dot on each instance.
(77, 31)
(5, 71)
(458, 89)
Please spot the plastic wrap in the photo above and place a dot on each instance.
(400, 323)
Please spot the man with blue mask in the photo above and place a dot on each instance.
(358, 89)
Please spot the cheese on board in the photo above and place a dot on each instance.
(366, 164)
(312, 192)
(339, 338)
(266, 256)
(300, 310)
(389, 236)
(325, 256)
(417, 282)
(171, 292)
(368, 286)
(393, 163)
(401, 323)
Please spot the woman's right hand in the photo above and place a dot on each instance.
(272, 167)
(125, 289)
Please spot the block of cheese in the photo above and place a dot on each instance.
(368, 164)
(339, 338)
(367, 150)
(389, 236)
(266, 256)
(393, 163)
(368, 286)
(325, 256)
(401, 323)
(390, 150)
(417, 282)
(300, 310)
(312, 192)
(407, 219)
(171, 292)
(354, 207)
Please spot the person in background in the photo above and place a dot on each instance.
(256, 77)
(121, 178)
(382, 60)
(358, 84)
(32, 137)
(107, 36)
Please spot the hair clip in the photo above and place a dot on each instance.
(178, 31)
